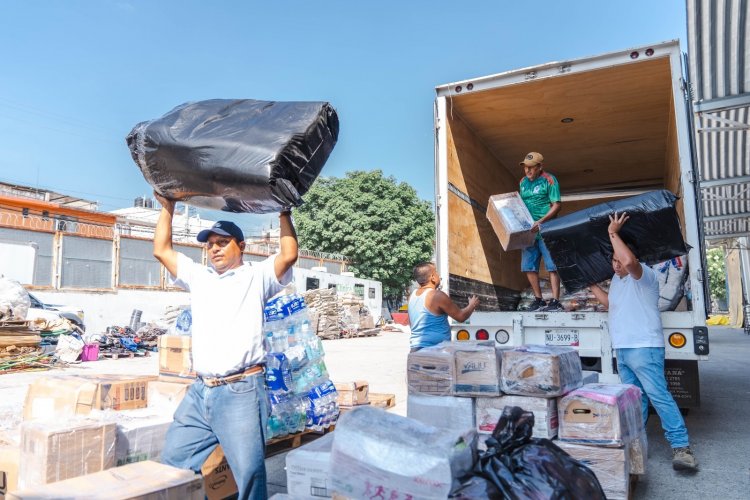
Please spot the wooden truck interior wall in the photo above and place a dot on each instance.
(474, 248)
(623, 136)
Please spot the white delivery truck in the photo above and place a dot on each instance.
(609, 126)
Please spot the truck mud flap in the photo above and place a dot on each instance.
(683, 381)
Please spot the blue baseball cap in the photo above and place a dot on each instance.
(224, 228)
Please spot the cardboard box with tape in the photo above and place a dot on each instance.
(175, 357)
(67, 395)
(353, 393)
(141, 480)
(218, 480)
(511, 220)
(57, 450)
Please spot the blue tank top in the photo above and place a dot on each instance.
(426, 328)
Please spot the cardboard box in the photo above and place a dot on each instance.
(218, 480)
(511, 220)
(10, 457)
(609, 465)
(372, 447)
(638, 454)
(308, 469)
(121, 392)
(140, 436)
(61, 396)
(544, 410)
(68, 395)
(175, 379)
(353, 393)
(601, 414)
(443, 412)
(166, 394)
(431, 370)
(536, 370)
(138, 481)
(477, 369)
(57, 450)
(175, 356)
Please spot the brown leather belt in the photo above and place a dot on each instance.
(235, 377)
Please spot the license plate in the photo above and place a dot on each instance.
(561, 337)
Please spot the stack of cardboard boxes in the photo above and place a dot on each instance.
(91, 435)
(601, 426)
(462, 388)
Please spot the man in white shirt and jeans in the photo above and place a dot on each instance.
(226, 405)
(636, 331)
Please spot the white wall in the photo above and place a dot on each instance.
(103, 309)
(115, 308)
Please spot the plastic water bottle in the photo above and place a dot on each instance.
(279, 337)
(273, 324)
(278, 375)
(314, 417)
(290, 415)
(329, 401)
(301, 404)
(298, 357)
(276, 424)
(184, 323)
(314, 348)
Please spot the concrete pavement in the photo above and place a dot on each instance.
(718, 430)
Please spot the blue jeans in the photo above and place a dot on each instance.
(644, 367)
(233, 415)
(532, 256)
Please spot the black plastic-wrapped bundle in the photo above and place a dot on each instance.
(517, 466)
(579, 242)
(236, 155)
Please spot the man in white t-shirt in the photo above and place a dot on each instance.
(226, 405)
(636, 332)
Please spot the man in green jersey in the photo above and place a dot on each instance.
(540, 191)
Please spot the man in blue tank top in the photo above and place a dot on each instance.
(429, 309)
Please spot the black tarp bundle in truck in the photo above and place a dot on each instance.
(579, 242)
(237, 155)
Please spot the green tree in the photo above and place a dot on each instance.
(381, 225)
(717, 274)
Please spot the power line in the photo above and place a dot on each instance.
(24, 108)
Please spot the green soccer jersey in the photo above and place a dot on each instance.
(539, 194)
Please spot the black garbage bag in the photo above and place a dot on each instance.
(517, 466)
(237, 155)
(579, 242)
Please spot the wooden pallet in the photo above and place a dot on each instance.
(287, 443)
(382, 400)
(633, 484)
(378, 400)
(370, 332)
(123, 355)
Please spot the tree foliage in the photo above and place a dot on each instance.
(717, 274)
(381, 225)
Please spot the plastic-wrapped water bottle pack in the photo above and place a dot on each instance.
(299, 389)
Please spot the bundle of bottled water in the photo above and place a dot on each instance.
(183, 325)
(300, 392)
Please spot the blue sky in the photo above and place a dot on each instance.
(75, 76)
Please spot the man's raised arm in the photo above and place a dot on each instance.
(163, 250)
(626, 257)
(289, 248)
